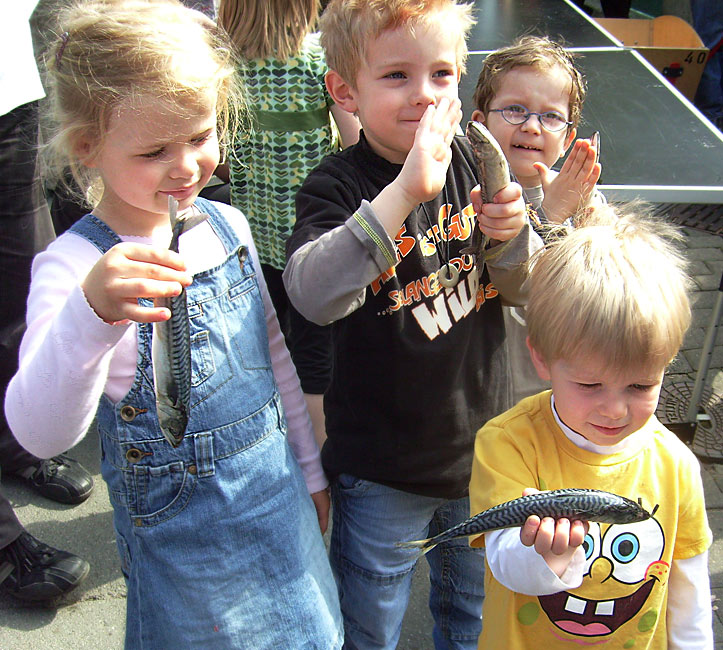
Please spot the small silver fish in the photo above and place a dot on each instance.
(171, 347)
(493, 173)
(571, 503)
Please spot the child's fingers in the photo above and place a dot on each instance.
(135, 312)
(580, 161)
(545, 536)
(442, 118)
(578, 531)
(504, 218)
(561, 538)
(546, 176)
(528, 532)
(131, 271)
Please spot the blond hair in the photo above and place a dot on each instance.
(529, 51)
(616, 287)
(265, 29)
(348, 26)
(110, 52)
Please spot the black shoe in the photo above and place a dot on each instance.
(59, 478)
(33, 571)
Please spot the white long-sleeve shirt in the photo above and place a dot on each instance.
(69, 357)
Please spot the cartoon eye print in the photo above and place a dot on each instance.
(591, 546)
(632, 548)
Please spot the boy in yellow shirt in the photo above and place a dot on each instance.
(607, 312)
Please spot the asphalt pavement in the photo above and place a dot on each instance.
(92, 617)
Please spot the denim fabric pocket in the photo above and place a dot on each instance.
(159, 493)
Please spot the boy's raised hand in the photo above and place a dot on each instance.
(570, 190)
(129, 271)
(424, 172)
(556, 541)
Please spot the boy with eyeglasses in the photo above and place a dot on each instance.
(530, 96)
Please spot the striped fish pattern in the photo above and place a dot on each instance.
(171, 347)
(571, 503)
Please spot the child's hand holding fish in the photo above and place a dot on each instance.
(498, 202)
(556, 541)
(129, 271)
(504, 216)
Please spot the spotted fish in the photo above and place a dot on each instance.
(572, 503)
(171, 347)
(493, 173)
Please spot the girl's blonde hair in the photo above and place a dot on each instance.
(113, 52)
(266, 29)
(538, 52)
(615, 287)
(348, 26)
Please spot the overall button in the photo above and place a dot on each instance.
(192, 469)
(128, 413)
(133, 455)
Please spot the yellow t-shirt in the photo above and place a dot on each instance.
(622, 600)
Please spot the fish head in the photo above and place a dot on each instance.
(627, 511)
(173, 422)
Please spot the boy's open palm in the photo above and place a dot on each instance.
(425, 168)
(129, 271)
(570, 190)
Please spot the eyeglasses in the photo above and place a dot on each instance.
(516, 114)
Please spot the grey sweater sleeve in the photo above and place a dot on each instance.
(326, 279)
(507, 264)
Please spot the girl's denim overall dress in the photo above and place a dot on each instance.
(218, 538)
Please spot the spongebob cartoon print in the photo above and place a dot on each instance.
(623, 567)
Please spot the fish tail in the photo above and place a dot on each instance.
(424, 545)
(172, 211)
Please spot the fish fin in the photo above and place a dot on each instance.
(184, 223)
(172, 211)
(194, 220)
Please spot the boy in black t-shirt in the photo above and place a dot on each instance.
(418, 365)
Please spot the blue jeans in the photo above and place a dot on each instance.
(374, 577)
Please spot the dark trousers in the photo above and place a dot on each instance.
(25, 229)
(309, 344)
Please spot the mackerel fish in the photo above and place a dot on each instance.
(171, 347)
(493, 173)
(571, 503)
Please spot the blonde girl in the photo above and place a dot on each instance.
(295, 124)
(218, 538)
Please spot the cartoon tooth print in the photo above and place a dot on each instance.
(622, 568)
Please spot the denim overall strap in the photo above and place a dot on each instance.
(96, 232)
(103, 238)
(221, 227)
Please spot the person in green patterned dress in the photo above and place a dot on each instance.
(295, 124)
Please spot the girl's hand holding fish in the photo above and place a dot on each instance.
(502, 219)
(556, 541)
(129, 271)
